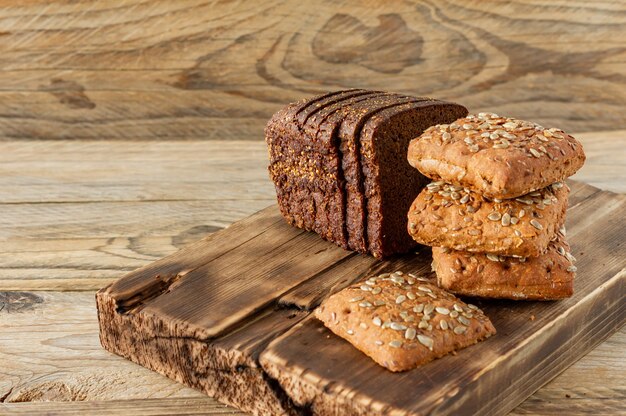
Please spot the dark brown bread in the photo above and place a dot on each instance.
(498, 157)
(330, 201)
(402, 321)
(349, 136)
(321, 183)
(547, 277)
(304, 166)
(391, 184)
(325, 126)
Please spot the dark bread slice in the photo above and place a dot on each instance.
(391, 184)
(350, 149)
(279, 161)
(306, 170)
(330, 201)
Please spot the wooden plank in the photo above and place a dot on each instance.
(146, 407)
(221, 69)
(49, 351)
(225, 368)
(99, 242)
(535, 341)
(131, 172)
(180, 193)
(48, 363)
(221, 280)
(96, 171)
(605, 156)
(215, 338)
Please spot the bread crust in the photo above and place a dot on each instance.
(496, 156)
(396, 319)
(547, 277)
(444, 215)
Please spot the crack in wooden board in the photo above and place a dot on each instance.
(195, 255)
(222, 358)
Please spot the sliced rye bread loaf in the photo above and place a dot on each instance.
(305, 166)
(349, 135)
(308, 142)
(390, 183)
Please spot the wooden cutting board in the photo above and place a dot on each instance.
(231, 315)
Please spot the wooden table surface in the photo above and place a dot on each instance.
(129, 129)
(78, 215)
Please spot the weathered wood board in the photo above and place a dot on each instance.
(230, 315)
(181, 70)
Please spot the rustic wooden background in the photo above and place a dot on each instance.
(182, 70)
(95, 181)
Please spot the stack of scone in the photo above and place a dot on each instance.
(494, 214)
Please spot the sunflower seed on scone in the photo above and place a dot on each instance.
(450, 216)
(547, 277)
(499, 157)
(405, 324)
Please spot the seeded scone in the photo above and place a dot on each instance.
(402, 321)
(449, 216)
(499, 157)
(547, 277)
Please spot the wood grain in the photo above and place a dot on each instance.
(37, 175)
(50, 351)
(338, 379)
(54, 369)
(77, 215)
(218, 70)
(146, 407)
(217, 339)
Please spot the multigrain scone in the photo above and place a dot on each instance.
(498, 157)
(547, 277)
(449, 216)
(402, 321)
(389, 181)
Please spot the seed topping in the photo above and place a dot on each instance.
(395, 343)
(410, 333)
(425, 341)
(536, 224)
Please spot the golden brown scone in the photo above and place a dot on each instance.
(547, 277)
(498, 157)
(444, 215)
(403, 321)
